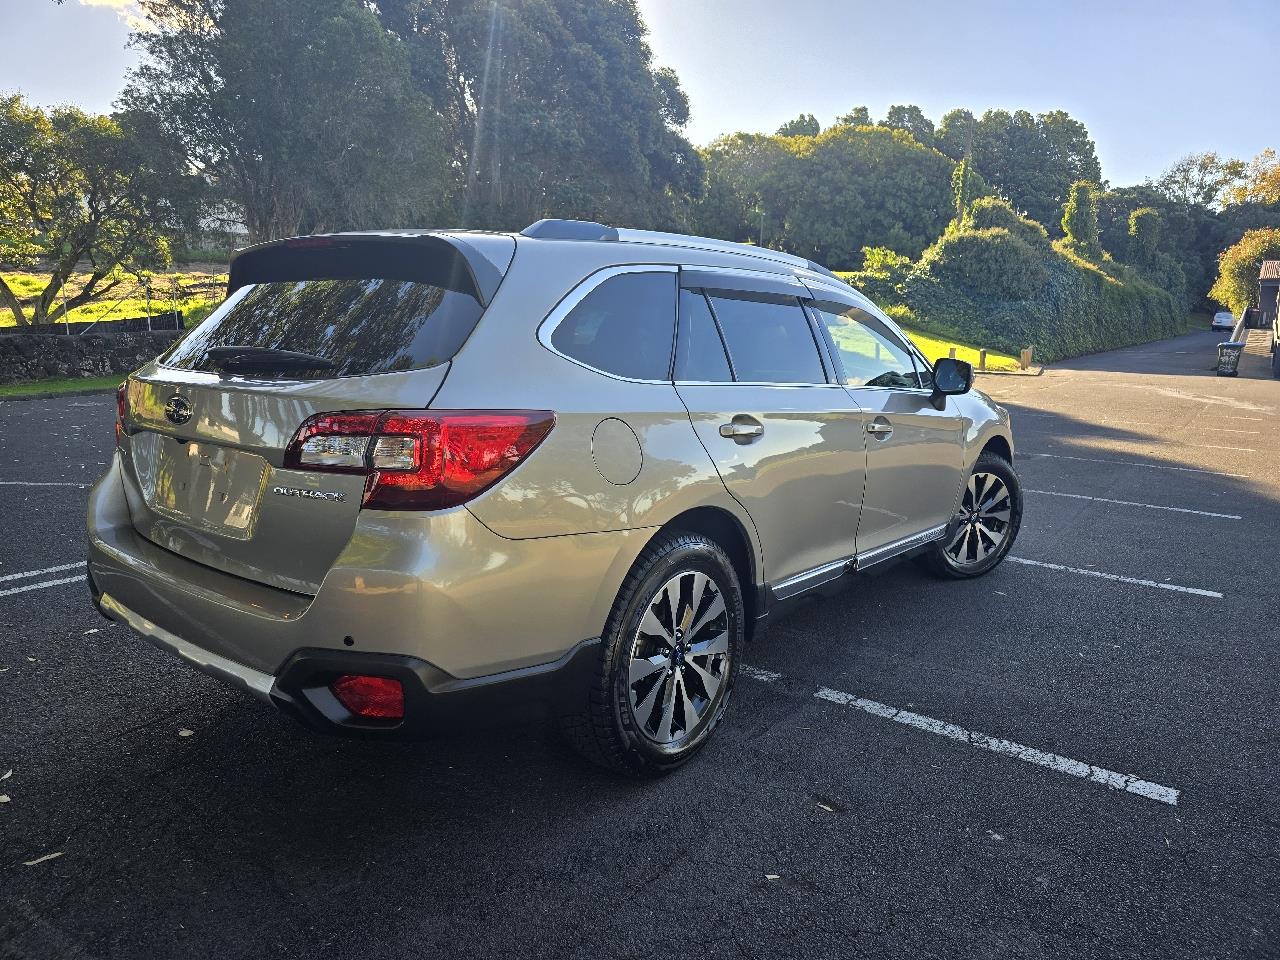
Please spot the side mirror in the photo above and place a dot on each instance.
(950, 378)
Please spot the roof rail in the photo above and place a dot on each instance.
(569, 230)
(589, 230)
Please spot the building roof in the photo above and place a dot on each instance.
(1270, 270)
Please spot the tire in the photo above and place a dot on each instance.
(654, 725)
(986, 528)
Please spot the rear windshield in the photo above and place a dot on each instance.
(359, 326)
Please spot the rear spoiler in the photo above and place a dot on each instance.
(470, 263)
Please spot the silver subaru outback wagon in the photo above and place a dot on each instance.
(406, 481)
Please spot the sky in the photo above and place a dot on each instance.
(1152, 81)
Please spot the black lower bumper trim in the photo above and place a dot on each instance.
(434, 701)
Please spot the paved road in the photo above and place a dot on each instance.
(1045, 763)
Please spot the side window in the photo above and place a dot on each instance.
(700, 353)
(870, 357)
(769, 339)
(624, 326)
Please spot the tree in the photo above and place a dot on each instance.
(956, 132)
(1080, 221)
(1146, 229)
(805, 125)
(967, 185)
(301, 114)
(553, 108)
(81, 189)
(827, 197)
(1237, 285)
(910, 118)
(857, 117)
(1200, 179)
(1259, 181)
(1034, 160)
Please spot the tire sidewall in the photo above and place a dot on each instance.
(689, 554)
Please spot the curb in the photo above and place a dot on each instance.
(50, 395)
(1032, 372)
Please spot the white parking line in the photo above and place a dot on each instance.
(1051, 761)
(1226, 430)
(41, 483)
(41, 585)
(1138, 463)
(36, 573)
(1214, 446)
(1134, 503)
(1136, 581)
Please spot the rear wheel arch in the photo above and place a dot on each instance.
(727, 531)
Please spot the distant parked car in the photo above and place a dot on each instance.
(1223, 320)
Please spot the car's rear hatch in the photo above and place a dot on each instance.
(319, 324)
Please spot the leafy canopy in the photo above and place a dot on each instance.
(77, 188)
(1237, 285)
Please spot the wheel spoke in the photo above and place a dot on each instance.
(714, 609)
(994, 537)
(651, 626)
(646, 667)
(710, 682)
(688, 715)
(712, 646)
(672, 590)
(668, 709)
(955, 541)
(646, 708)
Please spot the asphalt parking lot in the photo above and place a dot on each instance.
(1074, 756)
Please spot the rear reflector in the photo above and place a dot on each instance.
(375, 698)
(420, 459)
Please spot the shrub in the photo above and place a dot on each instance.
(1080, 220)
(992, 264)
(1237, 285)
(988, 212)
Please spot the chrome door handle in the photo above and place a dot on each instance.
(880, 429)
(741, 432)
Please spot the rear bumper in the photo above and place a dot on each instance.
(435, 702)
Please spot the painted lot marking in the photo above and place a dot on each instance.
(1138, 463)
(41, 483)
(1214, 446)
(41, 585)
(1228, 430)
(1136, 581)
(1008, 748)
(1134, 503)
(35, 573)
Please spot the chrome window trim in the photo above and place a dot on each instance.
(579, 293)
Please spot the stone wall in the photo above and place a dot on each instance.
(37, 357)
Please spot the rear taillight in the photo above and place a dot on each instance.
(375, 698)
(419, 459)
(122, 408)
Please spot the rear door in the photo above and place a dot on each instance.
(206, 433)
(787, 440)
(914, 451)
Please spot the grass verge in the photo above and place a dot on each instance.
(60, 385)
(194, 293)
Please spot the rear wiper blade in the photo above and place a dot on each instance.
(265, 358)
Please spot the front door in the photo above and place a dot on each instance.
(788, 443)
(914, 451)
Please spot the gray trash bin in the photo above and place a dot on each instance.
(1229, 357)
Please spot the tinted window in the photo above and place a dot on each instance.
(624, 326)
(769, 339)
(360, 326)
(870, 357)
(699, 350)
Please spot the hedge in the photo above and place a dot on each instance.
(1002, 287)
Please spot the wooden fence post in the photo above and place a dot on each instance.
(982, 360)
(952, 354)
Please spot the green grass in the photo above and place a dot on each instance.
(196, 295)
(60, 385)
(935, 348)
